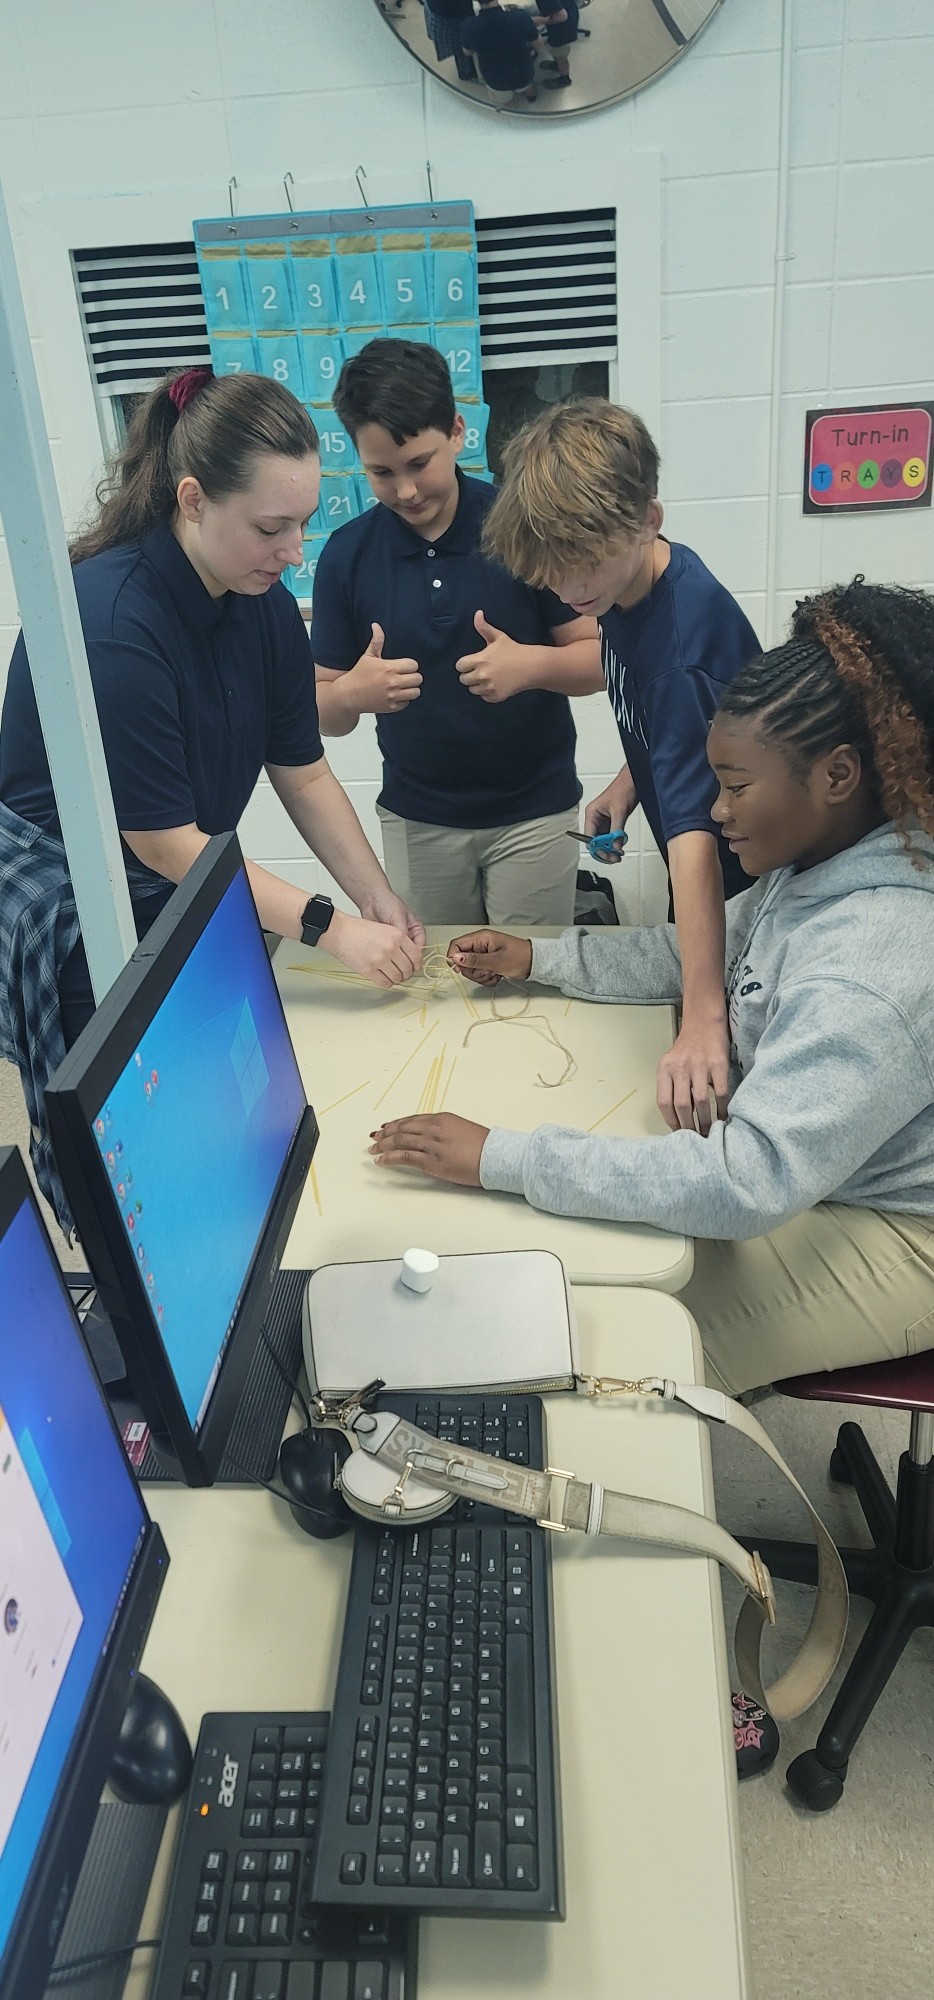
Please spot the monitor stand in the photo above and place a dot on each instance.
(256, 1435)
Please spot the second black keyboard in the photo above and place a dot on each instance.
(441, 1790)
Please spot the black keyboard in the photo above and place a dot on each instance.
(239, 1923)
(440, 1793)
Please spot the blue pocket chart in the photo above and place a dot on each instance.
(455, 285)
(270, 291)
(476, 423)
(323, 354)
(293, 296)
(280, 357)
(460, 346)
(233, 354)
(225, 299)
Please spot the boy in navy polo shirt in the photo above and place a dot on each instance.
(479, 784)
(503, 39)
(579, 513)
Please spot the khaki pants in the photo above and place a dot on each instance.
(523, 874)
(834, 1288)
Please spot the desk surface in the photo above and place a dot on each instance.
(251, 1616)
(367, 1055)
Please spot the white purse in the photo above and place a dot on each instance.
(398, 1474)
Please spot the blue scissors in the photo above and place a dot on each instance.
(600, 846)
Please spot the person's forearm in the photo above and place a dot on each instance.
(700, 923)
(322, 812)
(338, 710)
(171, 851)
(573, 669)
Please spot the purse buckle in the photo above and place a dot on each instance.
(556, 1527)
(617, 1385)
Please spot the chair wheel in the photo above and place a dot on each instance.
(813, 1784)
(839, 1469)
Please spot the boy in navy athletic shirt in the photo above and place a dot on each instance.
(578, 513)
(466, 669)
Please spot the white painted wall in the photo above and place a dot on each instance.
(120, 124)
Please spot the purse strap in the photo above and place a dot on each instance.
(558, 1500)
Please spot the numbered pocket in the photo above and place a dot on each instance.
(322, 355)
(405, 283)
(315, 290)
(454, 285)
(279, 356)
(358, 290)
(337, 452)
(338, 500)
(476, 423)
(232, 354)
(270, 292)
(225, 299)
(460, 346)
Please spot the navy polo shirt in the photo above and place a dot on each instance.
(502, 43)
(194, 693)
(667, 662)
(449, 759)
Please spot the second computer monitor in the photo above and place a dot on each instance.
(183, 1136)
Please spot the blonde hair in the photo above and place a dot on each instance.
(578, 477)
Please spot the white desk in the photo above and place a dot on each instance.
(251, 1616)
(352, 1041)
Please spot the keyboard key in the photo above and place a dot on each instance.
(242, 1927)
(455, 1860)
(390, 1870)
(214, 1865)
(423, 1863)
(250, 1861)
(276, 1895)
(260, 1792)
(269, 1980)
(286, 1819)
(369, 1982)
(520, 1789)
(204, 1928)
(301, 1980)
(267, 1737)
(255, 1822)
(335, 1980)
(487, 1857)
(283, 1861)
(275, 1927)
(521, 1866)
(236, 1981)
(520, 1825)
(196, 1977)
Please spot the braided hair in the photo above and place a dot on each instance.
(857, 669)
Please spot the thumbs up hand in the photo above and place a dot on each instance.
(500, 670)
(381, 686)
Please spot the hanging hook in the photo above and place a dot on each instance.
(231, 184)
(431, 191)
(288, 183)
(360, 178)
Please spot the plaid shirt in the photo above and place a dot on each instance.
(38, 929)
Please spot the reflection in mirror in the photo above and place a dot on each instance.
(552, 56)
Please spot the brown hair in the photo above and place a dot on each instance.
(222, 429)
(858, 669)
(578, 477)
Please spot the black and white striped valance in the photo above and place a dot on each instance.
(143, 313)
(548, 288)
(547, 294)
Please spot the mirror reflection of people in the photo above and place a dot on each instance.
(202, 675)
(444, 20)
(504, 41)
(562, 29)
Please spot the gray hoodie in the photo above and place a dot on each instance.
(830, 985)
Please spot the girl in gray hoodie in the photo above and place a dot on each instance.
(812, 1198)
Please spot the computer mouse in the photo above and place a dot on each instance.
(309, 1462)
(152, 1761)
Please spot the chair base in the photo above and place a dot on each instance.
(896, 1574)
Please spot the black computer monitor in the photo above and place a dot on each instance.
(183, 1137)
(81, 1567)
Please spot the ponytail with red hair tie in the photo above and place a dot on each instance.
(186, 387)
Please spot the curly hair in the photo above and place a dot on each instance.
(858, 669)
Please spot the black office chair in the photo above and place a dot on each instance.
(896, 1573)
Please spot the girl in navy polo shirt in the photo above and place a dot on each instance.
(202, 674)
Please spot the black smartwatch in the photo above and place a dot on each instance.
(316, 917)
